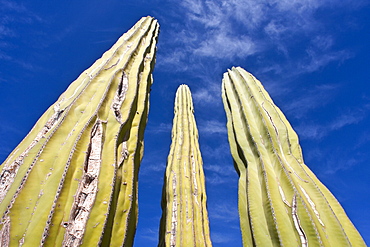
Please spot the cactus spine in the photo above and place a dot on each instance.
(281, 202)
(185, 218)
(72, 181)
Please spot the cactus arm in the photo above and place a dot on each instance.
(184, 219)
(285, 201)
(61, 186)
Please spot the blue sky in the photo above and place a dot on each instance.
(311, 55)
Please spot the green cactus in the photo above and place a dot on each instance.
(72, 181)
(185, 219)
(281, 202)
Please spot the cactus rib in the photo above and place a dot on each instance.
(281, 202)
(185, 219)
(72, 181)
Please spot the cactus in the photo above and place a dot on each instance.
(72, 181)
(281, 202)
(185, 219)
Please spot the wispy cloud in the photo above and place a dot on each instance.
(226, 211)
(149, 234)
(160, 128)
(14, 13)
(335, 164)
(318, 131)
(327, 161)
(204, 95)
(310, 99)
(14, 17)
(222, 238)
(218, 164)
(7, 130)
(234, 29)
(212, 127)
(316, 60)
(225, 46)
(154, 167)
(280, 40)
(220, 174)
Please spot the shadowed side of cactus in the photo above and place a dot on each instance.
(185, 219)
(72, 181)
(281, 202)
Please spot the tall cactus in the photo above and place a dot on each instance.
(72, 181)
(185, 219)
(281, 202)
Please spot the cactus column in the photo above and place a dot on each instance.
(72, 181)
(185, 218)
(281, 202)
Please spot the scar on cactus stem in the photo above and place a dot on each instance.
(73, 178)
(185, 219)
(281, 202)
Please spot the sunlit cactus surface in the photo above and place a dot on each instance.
(281, 202)
(185, 218)
(72, 181)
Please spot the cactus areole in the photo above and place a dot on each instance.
(72, 181)
(281, 202)
(185, 218)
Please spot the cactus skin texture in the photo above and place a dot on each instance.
(185, 219)
(72, 181)
(281, 202)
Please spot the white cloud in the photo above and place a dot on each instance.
(204, 96)
(274, 29)
(154, 167)
(8, 130)
(150, 234)
(340, 164)
(212, 127)
(226, 211)
(195, 6)
(208, 95)
(311, 99)
(318, 131)
(172, 61)
(218, 164)
(221, 173)
(13, 17)
(317, 60)
(327, 161)
(223, 238)
(323, 42)
(239, 29)
(222, 45)
(161, 128)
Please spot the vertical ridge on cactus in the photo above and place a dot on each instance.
(281, 202)
(72, 181)
(185, 219)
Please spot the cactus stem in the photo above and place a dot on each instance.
(297, 223)
(73, 179)
(174, 211)
(10, 171)
(184, 219)
(86, 193)
(5, 232)
(120, 97)
(269, 161)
